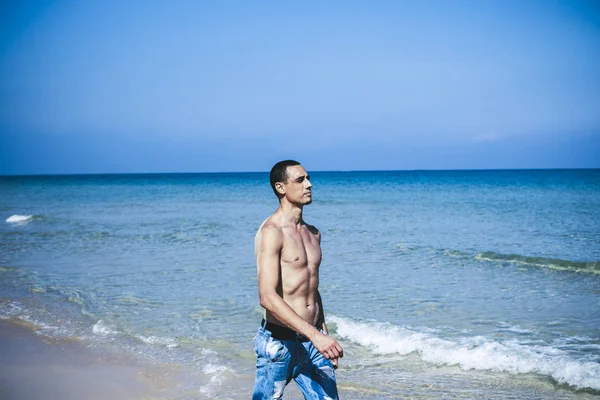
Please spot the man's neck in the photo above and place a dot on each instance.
(291, 213)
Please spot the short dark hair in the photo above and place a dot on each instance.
(279, 173)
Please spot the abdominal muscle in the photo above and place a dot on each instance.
(299, 292)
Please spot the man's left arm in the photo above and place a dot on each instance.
(321, 314)
(319, 300)
(323, 325)
(321, 322)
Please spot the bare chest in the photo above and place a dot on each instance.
(301, 249)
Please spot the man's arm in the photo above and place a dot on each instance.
(319, 300)
(322, 314)
(268, 260)
(334, 361)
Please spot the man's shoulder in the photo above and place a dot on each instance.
(269, 229)
(313, 229)
(269, 236)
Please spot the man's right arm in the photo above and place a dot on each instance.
(268, 260)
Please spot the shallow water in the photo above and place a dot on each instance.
(439, 284)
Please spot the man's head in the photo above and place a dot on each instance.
(289, 180)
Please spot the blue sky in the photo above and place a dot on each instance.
(192, 86)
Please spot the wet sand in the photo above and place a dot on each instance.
(34, 368)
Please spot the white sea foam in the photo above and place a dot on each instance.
(10, 309)
(217, 378)
(19, 219)
(209, 353)
(514, 329)
(102, 328)
(17, 311)
(168, 342)
(477, 352)
(518, 329)
(211, 369)
(211, 365)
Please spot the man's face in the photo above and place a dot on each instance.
(298, 189)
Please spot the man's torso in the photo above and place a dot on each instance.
(300, 258)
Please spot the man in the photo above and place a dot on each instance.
(292, 342)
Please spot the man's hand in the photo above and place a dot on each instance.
(328, 346)
(335, 363)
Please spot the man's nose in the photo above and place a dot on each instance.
(308, 184)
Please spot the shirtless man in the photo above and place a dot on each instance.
(292, 342)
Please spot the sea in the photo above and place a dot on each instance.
(480, 284)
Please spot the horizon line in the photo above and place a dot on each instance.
(312, 171)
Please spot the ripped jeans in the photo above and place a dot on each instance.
(280, 361)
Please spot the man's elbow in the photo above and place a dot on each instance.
(266, 300)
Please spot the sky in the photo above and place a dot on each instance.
(221, 86)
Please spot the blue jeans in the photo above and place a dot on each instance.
(280, 361)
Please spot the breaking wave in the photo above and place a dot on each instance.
(529, 261)
(472, 353)
(552, 263)
(19, 219)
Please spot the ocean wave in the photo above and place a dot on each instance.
(10, 309)
(552, 263)
(529, 261)
(4, 268)
(513, 328)
(21, 314)
(106, 328)
(76, 297)
(132, 300)
(217, 373)
(156, 340)
(103, 328)
(472, 353)
(19, 219)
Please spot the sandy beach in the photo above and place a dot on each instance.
(38, 368)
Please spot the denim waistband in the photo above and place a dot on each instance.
(281, 332)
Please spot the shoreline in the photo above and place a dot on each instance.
(39, 367)
(35, 367)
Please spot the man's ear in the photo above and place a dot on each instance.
(279, 187)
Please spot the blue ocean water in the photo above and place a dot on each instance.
(439, 284)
